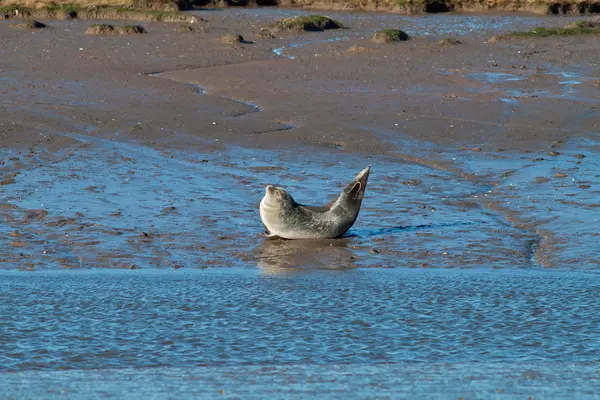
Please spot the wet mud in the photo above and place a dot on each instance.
(123, 205)
(484, 154)
(133, 259)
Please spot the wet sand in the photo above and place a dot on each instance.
(472, 268)
(153, 150)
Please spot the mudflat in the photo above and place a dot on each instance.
(153, 150)
(133, 161)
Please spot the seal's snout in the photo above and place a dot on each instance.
(270, 190)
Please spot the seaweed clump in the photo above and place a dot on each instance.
(232, 39)
(107, 29)
(307, 23)
(31, 24)
(390, 36)
(449, 42)
(577, 29)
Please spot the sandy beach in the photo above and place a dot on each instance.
(153, 150)
(133, 259)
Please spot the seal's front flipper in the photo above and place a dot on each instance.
(270, 235)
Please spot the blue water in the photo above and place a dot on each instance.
(301, 320)
(87, 320)
(381, 381)
(427, 24)
(111, 207)
(197, 326)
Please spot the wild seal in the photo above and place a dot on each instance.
(284, 218)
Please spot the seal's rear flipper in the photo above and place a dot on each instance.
(363, 176)
(359, 184)
(356, 188)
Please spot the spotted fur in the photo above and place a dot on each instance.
(283, 217)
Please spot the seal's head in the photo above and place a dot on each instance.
(277, 198)
(274, 207)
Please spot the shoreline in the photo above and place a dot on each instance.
(444, 124)
(103, 12)
(567, 8)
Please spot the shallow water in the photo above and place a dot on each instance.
(554, 195)
(437, 328)
(88, 320)
(351, 317)
(122, 205)
(441, 24)
(402, 380)
(558, 195)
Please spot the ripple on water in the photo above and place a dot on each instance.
(116, 319)
(406, 380)
(428, 24)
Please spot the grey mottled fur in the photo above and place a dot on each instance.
(284, 217)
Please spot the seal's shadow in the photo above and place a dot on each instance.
(280, 256)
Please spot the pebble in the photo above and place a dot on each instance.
(412, 182)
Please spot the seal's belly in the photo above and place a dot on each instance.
(298, 226)
(284, 228)
(272, 220)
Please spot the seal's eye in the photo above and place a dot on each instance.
(279, 194)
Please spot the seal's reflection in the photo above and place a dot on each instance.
(278, 256)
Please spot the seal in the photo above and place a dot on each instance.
(286, 219)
